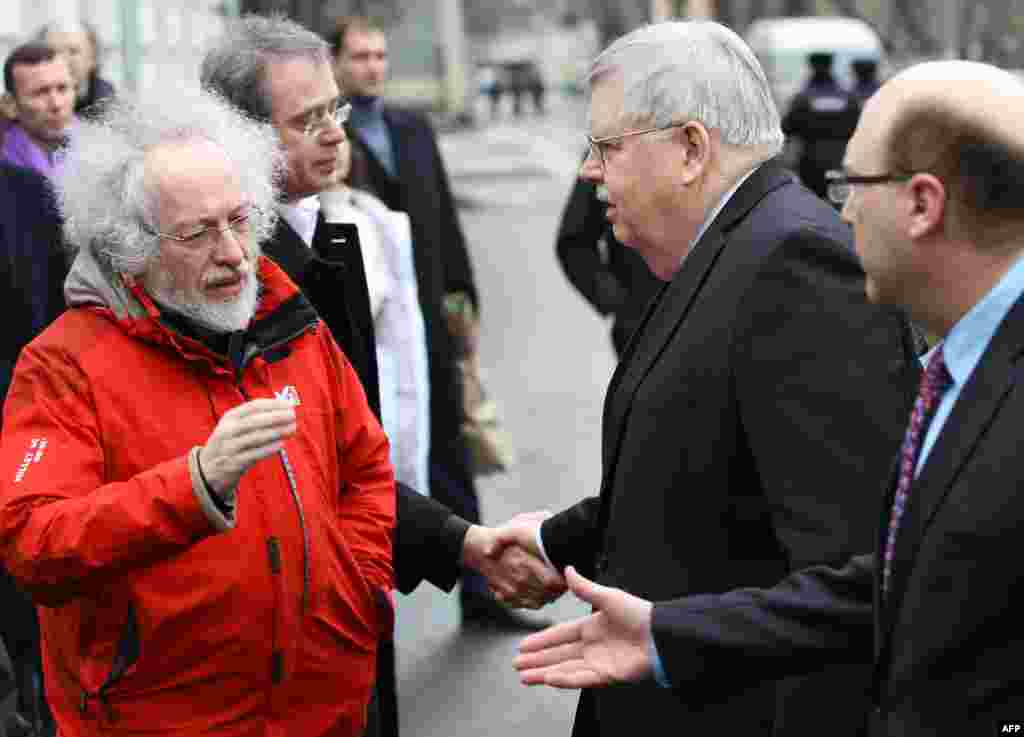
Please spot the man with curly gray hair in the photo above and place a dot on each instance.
(199, 496)
(277, 71)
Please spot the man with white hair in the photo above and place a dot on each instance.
(762, 396)
(933, 183)
(77, 41)
(198, 496)
(276, 71)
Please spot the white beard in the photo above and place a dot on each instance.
(220, 317)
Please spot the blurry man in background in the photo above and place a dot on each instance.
(41, 89)
(822, 117)
(78, 42)
(866, 82)
(612, 277)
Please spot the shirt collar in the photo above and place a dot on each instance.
(367, 109)
(969, 338)
(302, 215)
(718, 208)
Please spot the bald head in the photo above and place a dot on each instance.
(985, 97)
(960, 121)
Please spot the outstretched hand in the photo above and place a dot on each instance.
(612, 645)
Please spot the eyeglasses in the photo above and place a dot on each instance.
(239, 225)
(598, 146)
(839, 183)
(320, 118)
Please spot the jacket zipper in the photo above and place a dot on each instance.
(238, 361)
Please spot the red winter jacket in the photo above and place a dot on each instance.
(158, 613)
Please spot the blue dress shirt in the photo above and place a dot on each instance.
(963, 348)
(368, 119)
(965, 344)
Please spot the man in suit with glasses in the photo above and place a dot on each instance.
(761, 397)
(932, 186)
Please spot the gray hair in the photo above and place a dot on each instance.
(73, 25)
(104, 198)
(66, 25)
(694, 70)
(235, 64)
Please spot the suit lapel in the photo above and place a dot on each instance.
(669, 310)
(976, 408)
(663, 320)
(289, 251)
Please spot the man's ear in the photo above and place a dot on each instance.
(696, 142)
(927, 204)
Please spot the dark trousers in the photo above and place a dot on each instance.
(20, 632)
(382, 716)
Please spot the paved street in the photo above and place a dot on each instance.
(547, 359)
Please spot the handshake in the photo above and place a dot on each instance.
(611, 645)
(509, 557)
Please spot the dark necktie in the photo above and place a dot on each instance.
(934, 383)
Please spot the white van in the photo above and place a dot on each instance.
(783, 44)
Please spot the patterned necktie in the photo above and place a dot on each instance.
(934, 383)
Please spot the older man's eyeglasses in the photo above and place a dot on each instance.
(599, 146)
(320, 118)
(239, 225)
(840, 184)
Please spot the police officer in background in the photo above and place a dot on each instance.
(822, 116)
(867, 82)
(612, 277)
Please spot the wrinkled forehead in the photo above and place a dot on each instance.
(178, 172)
(609, 113)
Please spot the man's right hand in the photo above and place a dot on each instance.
(517, 577)
(245, 434)
(612, 645)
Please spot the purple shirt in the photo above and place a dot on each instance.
(19, 149)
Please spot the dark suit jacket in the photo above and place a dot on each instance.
(758, 405)
(617, 281)
(32, 262)
(442, 263)
(946, 643)
(428, 537)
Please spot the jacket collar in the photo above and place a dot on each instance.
(1000, 369)
(287, 249)
(283, 314)
(768, 176)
